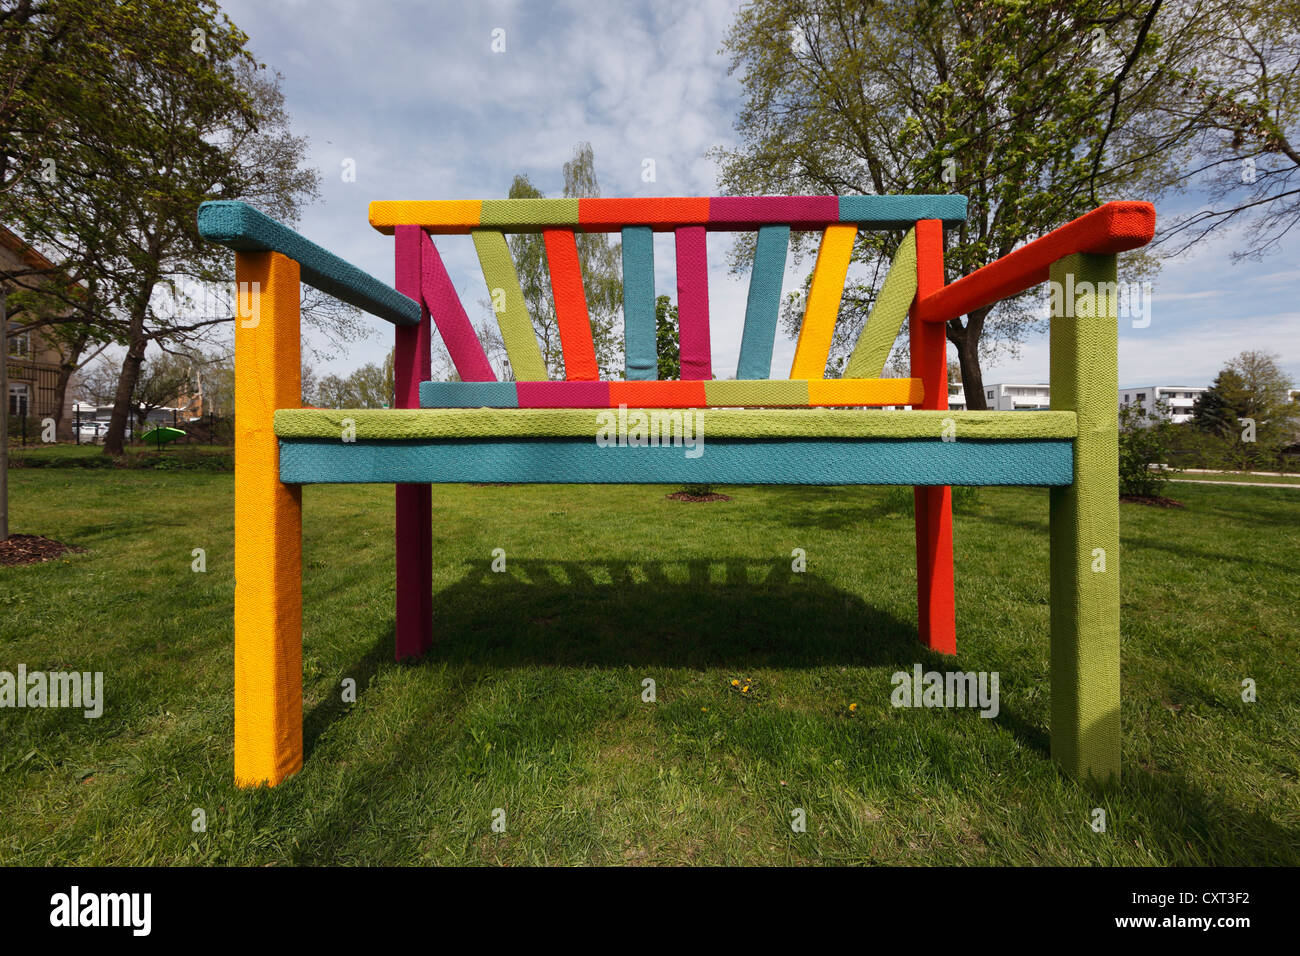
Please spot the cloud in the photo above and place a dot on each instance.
(413, 92)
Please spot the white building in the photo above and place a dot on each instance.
(1011, 397)
(1179, 398)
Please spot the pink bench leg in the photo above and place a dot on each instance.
(414, 503)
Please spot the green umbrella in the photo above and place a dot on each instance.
(161, 436)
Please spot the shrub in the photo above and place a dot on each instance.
(1144, 440)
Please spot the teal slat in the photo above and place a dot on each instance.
(468, 395)
(748, 462)
(764, 304)
(239, 226)
(642, 362)
(901, 212)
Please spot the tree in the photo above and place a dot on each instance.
(602, 267)
(1218, 408)
(370, 386)
(161, 382)
(1037, 111)
(1241, 102)
(176, 111)
(1145, 439)
(602, 282)
(1249, 413)
(667, 344)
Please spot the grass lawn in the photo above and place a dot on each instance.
(531, 700)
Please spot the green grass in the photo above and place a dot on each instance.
(531, 701)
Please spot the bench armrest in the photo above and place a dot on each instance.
(239, 226)
(1106, 230)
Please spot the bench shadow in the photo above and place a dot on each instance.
(694, 613)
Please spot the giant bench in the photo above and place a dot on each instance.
(806, 429)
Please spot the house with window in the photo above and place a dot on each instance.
(1177, 399)
(33, 364)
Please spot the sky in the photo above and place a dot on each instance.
(413, 96)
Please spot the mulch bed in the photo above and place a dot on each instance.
(683, 496)
(19, 549)
(1156, 501)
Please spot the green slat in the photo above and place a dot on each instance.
(887, 314)
(516, 328)
(410, 424)
(528, 215)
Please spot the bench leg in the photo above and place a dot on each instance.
(414, 570)
(414, 503)
(935, 604)
(1085, 524)
(268, 525)
(928, 347)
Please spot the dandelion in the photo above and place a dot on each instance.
(853, 708)
(735, 683)
(745, 689)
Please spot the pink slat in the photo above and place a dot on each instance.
(411, 349)
(562, 394)
(798, 212)
(453, 324)
(693, 303)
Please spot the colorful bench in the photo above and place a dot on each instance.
(759, 430)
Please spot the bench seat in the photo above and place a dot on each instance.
(739, 446)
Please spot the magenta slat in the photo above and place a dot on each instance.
(457, 333)
(798, 212)
(562, 394)
(693, 303)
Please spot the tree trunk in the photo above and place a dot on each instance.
(967, 339)
(126, 380)
(4, 417)
(67, 368)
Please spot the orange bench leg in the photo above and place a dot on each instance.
(268, 525)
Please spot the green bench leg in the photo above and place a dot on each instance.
(1085, 521)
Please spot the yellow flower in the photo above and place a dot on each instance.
(853, 708)
(735, 683)
(745, 689)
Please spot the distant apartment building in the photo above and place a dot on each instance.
(1178, 398)
(1010, 397)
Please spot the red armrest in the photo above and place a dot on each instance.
(1108, 229)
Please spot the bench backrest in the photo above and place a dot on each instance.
(422, 275)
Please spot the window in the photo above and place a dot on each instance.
(1142, 396)
(20, 345)
(990, 393)
(19, 401)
